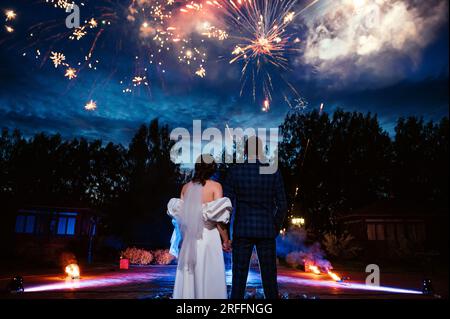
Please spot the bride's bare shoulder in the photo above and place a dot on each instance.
(214, 186)
(187, 185)
(185, 188)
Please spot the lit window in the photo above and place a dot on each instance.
(62, 223)
(20, 223)
(25, 224)
(70, 226)
(66, 226)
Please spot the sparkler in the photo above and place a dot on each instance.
(314, 269)
(73, 271)
(334, 276)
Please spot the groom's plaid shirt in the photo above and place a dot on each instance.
(259, 201)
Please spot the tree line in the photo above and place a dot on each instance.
(330, 163)
(334, 164)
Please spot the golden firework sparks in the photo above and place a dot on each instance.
(264, 42)
(138, 80)
(63, 4)
(213, 32)
(289, 17)
(90, 106)
(71, 73)
(334, 276)
(9, 29)
(266, 105)
(201, 72)
(58, 59)
(256, 29)
(93, 23)
(78, 33)
(10, 15)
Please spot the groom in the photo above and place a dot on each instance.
(260, 208)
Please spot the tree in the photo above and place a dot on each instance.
(154, 179)
(420, 168)
(333, 165)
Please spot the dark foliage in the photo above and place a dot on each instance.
(345, 162)
(338, 164)
(128, 186)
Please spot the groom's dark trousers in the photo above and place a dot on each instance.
(260, 207)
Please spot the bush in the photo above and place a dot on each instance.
(341, 246)
(162, 257)
(137, 256)
(404, 248)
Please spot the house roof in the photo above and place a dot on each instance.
(42, 208)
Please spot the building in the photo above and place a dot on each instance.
(389, 227)
(43, 233)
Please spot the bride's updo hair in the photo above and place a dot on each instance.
(205, 168)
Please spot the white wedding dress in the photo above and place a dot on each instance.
(201, 267)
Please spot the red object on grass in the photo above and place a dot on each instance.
(124, 263)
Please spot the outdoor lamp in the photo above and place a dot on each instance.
(16, 285)
(427, 286)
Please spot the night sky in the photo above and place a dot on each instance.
(395, 67)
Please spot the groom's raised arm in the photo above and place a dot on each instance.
(280, 200)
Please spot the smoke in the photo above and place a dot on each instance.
(295, 248)
(67, 258)
(151, 17)
(349, 38)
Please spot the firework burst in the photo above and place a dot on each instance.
(90, 106)
(71, 73)
(10, 15)
(153, 34)
(264, 44)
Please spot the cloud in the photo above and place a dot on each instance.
(352, 39)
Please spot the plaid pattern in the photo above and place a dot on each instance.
(259, 201)
(242, 252)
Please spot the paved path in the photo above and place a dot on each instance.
(147, 282)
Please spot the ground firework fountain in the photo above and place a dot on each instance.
(73, 271)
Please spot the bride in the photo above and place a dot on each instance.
(201, 216)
